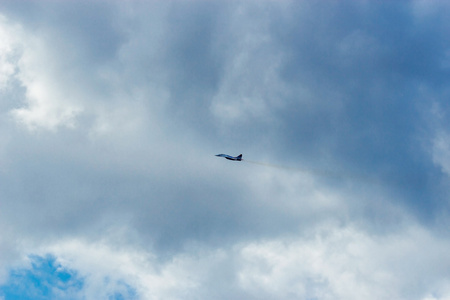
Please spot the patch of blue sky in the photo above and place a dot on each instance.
(121, 290)
(46, 279)
(126, 294)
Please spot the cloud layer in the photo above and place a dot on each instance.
(111, 113)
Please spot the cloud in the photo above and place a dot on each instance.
(250, 88)
(7, 51)
(327, 263)
(111, 115)
(345, 264)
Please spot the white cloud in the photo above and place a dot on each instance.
(8, 51)
(10, 249)
(50, 102)
(345, 263)
(327, 263)
(105, 268)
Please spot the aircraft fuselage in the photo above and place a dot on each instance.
(229, 157)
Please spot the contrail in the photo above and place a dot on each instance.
(317, 172)
(274, 165)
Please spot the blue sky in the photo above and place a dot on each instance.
(43, 280)
(111, 113)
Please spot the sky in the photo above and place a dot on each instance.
(111, 113)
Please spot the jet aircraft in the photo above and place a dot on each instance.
(237, 158)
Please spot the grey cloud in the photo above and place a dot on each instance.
(159, 88)
(351, 130)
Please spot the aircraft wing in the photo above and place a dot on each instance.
(225, 155)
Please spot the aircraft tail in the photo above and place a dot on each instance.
(239, 157)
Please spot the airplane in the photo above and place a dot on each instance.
(237, 158)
